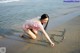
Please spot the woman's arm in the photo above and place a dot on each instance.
(46, 35)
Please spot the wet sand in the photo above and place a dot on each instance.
(70, 44)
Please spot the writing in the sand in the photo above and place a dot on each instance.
(71, 0)
(2, 49)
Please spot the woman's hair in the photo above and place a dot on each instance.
(43, 17)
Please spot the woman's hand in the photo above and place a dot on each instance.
(52, 44)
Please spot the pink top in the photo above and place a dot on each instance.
(32, 24)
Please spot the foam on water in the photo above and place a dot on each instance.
(7, 1)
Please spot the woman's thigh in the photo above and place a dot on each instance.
(34, 31)
(30, 33)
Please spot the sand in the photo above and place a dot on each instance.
(70, 44)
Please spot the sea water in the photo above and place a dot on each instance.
(13, 13)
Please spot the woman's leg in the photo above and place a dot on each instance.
(34, 31)
(30, 33)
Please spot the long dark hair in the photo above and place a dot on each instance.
(43, 17)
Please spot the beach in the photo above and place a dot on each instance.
(70, 44)
(63, 17)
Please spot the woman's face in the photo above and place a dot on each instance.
(44, 21)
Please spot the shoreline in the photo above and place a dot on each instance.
(70, 44)
(54, 22)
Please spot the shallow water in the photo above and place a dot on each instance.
(14, 13)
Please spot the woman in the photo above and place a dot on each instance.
(31, 27)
